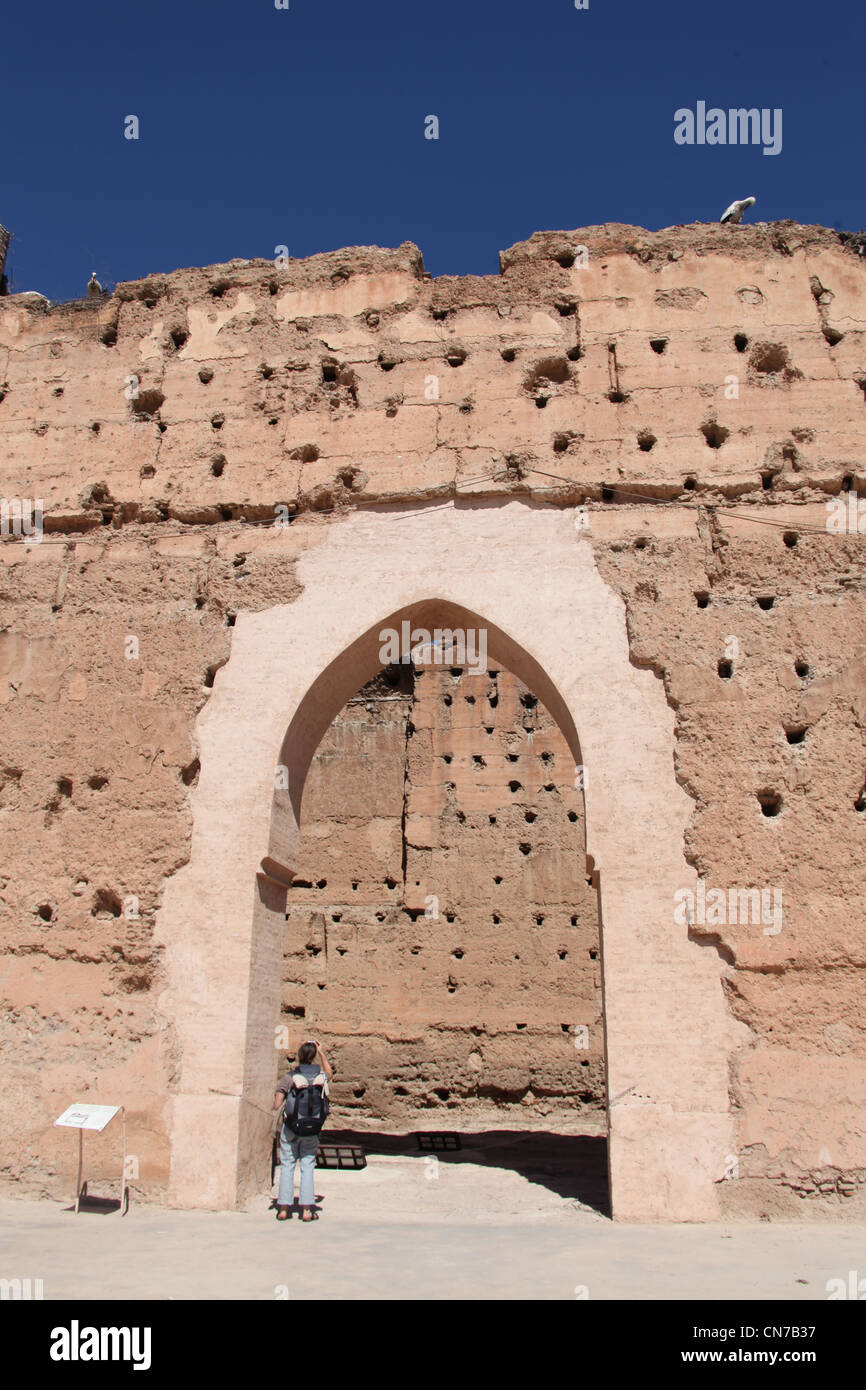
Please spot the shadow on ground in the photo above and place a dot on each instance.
(572, 1165)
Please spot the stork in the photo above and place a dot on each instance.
(735, 212)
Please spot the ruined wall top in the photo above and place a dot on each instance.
(604, 363)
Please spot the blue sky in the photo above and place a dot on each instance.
(305, 127)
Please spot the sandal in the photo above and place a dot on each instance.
(313, 1216)
(283, 1213)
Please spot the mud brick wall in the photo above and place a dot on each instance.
(695, 397)
(442, 936)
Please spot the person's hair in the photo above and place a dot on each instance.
(307, 1052)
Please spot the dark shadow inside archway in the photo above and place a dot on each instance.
(574, 1166)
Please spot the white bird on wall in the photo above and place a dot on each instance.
(93, 286)
(735, 212)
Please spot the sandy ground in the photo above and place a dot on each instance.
(482, 1224)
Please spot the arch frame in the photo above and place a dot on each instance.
(529, 576)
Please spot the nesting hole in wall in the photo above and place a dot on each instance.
(658, 344)
(515, 787)
(741, 342)
(218, 463)
(574, 354)
(645, 440)
(702, 599)
(617, 396)
(64, 786)
(725, 669)
(766, 602)
(179, 337)
(796, 733)
(147, 403)
(802, 668)
(566, 307)
(690, 484)
(529, 817)
(770, 802)
(508, 354)
(189, 774)
(205, 374)
(46, 911)
(329, 371)
(714, 434)
(607, 494)
(832, 335)
(572, 816)
(106, 903)
(848, 483)
(525, 847)
(218, 420)
(768, 358)
(767, 480)
(387, 361)
(790, 538)
(108, 336)
(549, 369)
(456, 357)
(96, 783)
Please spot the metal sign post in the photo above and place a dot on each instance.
(95, 1117)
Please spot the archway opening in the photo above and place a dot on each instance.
(442, 932)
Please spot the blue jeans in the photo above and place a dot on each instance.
(292, 1150)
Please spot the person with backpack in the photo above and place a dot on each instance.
(304, 1092)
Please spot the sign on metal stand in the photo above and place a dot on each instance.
(95, 1117)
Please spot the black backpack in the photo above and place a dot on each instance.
(307, 1109)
